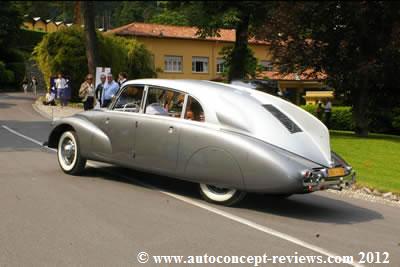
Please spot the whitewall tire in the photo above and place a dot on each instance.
(220, 195)
(68, 154)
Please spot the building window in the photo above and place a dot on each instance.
(200, 64)
(267, 65)
(220, 65)
(173, 64)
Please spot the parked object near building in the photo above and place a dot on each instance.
(227, 138)
(312, 97)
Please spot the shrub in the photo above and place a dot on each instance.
(64, 51)
(341, 118)
(396, 120)
(122, 54)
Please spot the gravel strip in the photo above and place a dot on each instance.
(376, 197)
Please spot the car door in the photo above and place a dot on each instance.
(158, 130)
(119, 124)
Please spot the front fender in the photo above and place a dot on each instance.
(91, 138)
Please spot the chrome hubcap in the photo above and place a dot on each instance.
(68, 151)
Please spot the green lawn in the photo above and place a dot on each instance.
(376, 159)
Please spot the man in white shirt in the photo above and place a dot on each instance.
(110, 89)
(156, 109)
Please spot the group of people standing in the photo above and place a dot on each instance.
(101, 95)
(32, 84)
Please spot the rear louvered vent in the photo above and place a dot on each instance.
(288, 123)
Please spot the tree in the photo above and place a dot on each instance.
(77, 12)
(135, 11)
(10, 22)
(90, 36)
(250, 64)
(355, 43)
(170, 17)
(243, 16)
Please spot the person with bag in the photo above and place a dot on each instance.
(86, 92)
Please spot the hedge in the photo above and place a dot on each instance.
(64, 51)
(341, 118)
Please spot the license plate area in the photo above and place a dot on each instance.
(334, 172)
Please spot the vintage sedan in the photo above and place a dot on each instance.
(227, 138)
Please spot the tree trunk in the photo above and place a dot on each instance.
(360, 110)
(90, 36)
(77, 13)
(239, 53)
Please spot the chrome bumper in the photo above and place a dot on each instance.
(320, 181)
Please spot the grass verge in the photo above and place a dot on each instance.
(376, 158)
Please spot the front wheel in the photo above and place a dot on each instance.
(223, 196)
(68, 154)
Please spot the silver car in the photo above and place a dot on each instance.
(227, 138)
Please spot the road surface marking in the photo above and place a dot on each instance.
(23, 136)
(214, 210)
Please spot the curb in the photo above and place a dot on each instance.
(53, 112)
(35, 106)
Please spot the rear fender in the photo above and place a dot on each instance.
(213, 165)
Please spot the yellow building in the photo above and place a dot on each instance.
(178, 53)
(50, 26)
(38, 24)
(60, 25)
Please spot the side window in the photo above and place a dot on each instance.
(164, 102)
(130, 98)
(194, 111)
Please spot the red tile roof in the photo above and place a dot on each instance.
(169, 31)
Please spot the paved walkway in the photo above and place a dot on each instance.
(53, 112)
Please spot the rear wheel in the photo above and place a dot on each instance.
(68, 154)
(219, 195)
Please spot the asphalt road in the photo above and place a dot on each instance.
(110, 214)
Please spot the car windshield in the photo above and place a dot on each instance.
(129, 99)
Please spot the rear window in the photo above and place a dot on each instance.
(282, 118)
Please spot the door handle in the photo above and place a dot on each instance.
(107, 121)
(170, 129)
